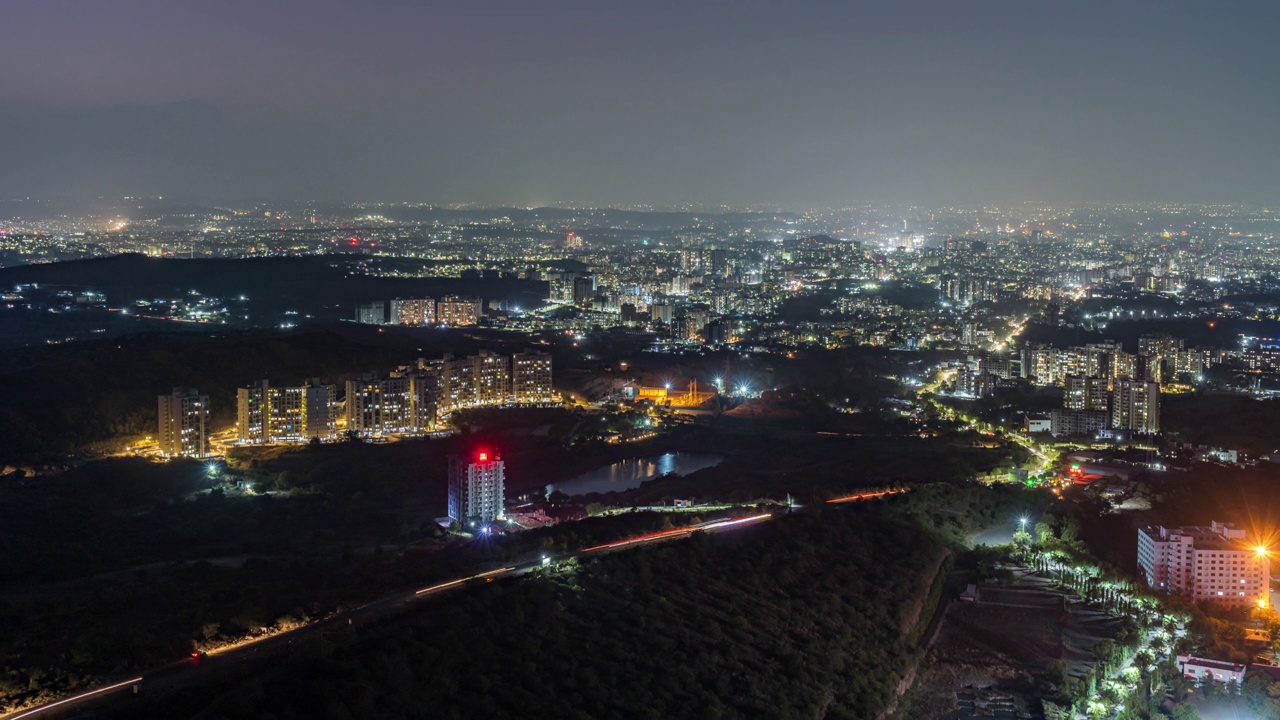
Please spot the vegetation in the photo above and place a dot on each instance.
(121, 565)
(802, 617)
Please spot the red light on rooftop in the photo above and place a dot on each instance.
(484, 456)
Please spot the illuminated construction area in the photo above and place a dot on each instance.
(691, 397)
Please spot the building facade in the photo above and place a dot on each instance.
(1064, 422)
(415, 399)
(371, 313)
(482, 380)
(1195, 668)
(458, 311)
(413, 311)
(531, 378)
(183, 420)
(405, 402)
(1205, 563)
(1083, 392)
(974, 383)
(1135, 406)
(268, 414)
(476, 488)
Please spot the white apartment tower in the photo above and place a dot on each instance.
(476, 488)
(1205, 563)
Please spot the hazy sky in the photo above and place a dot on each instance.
(529, 102)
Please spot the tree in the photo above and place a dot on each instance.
(1185, 711)
(1208, 686)
(1044, 533)
(1057, 671)
(1104, 649)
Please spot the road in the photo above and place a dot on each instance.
(232, 660)
(1044, 462)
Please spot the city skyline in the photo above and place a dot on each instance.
(858, 360)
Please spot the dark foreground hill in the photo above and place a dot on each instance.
(806, 616)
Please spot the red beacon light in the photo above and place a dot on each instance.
(484, 456)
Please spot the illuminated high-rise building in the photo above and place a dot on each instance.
(475, 381)
(183, 414)
(267, 414)
(413, 311)
(1135, 406)
(476, 488)
(531, 378)
(402, 403)
(458, 311)
(1085, 393)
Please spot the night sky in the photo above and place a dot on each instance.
(790, 103)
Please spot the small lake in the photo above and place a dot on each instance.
(629, 474)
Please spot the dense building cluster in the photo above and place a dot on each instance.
(415, 399)
(452, 311)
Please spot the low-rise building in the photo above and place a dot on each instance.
(1194, 668)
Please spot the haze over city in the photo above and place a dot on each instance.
(794, 105)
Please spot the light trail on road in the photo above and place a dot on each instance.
(459, 581)
(864, 496)
(74, 698)
(665, 534)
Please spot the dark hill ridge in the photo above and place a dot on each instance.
(322, 285)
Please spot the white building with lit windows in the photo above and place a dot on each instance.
(476, 489)
(1205, 563)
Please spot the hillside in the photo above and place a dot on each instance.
(800, 618)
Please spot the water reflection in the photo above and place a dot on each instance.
(628, 474)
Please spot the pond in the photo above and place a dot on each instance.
(630, 473)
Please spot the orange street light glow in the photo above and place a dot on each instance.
(864, 496)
